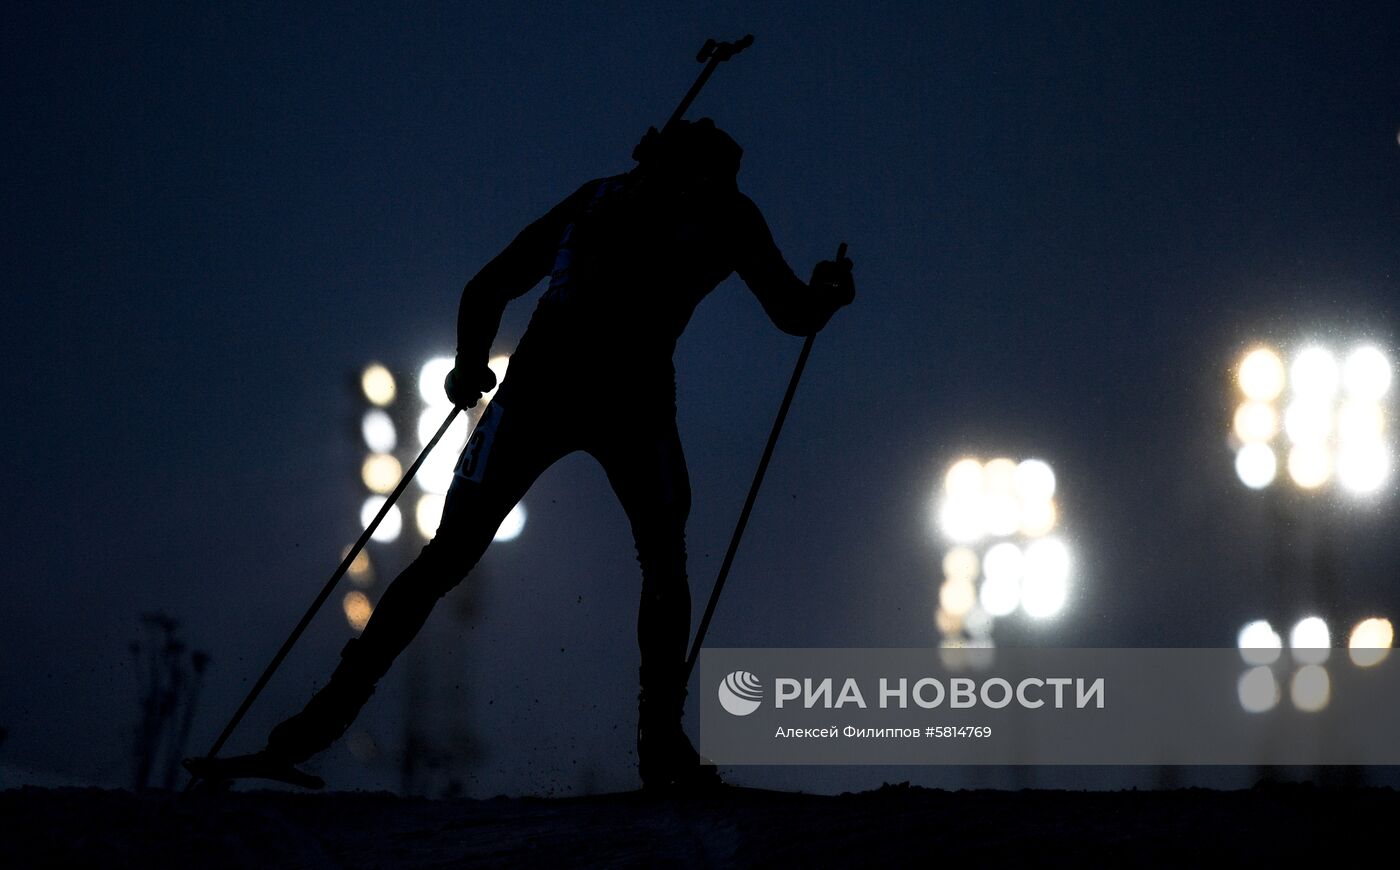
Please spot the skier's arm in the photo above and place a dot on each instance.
(796, 307)
(510, 274)
(522, 264)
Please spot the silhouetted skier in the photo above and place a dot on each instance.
(628, 257)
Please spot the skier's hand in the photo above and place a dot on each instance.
(465, 384)
(833, 279)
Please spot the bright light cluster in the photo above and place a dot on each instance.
(1309, 643)
(1321, 419)
(435, 474)
(998, 516)
(382, 469)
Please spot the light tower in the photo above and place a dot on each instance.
(1310, 430)
(1001, 558)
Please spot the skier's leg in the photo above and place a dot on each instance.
(646, 468)
(503, 457)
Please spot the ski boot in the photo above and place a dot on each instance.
(327, 715)
(666, 759)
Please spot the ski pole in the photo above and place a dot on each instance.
(329, 587)
(716, 53)
(752, 497)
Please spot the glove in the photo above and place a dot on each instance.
(466, 384)
(832, 278)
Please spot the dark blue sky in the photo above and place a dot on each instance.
(1066, 224)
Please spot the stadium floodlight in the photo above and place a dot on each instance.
(431, 377)
(1310, 641)
(389, 528)
(1259, 644)
(1322, 420)
(357, 609)
(1261, 375)
(960, 563)
(361, 571)
(1370, 641)
(1045, 578)
(998, 517)
(1366, 373)
(956, 597)
(1314, 373)
(377, 383)
(1256, 465)
(381, 473)
(378, 430)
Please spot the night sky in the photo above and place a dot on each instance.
(1066, 226)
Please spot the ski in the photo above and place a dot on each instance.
(221, 771)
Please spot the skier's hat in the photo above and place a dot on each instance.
(692, 148)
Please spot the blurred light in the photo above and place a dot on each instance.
(1363, 468)
(357, 609)
(455, 436)
(1310, 641)
(1308, 421)
(1000, 597)
(1259, 644)
(956, 596)
(948, 624)
(1045, 578)
(1000, 476)
(960, 521)
(1255, 421)
(1360, 422)
(381, 473)
(1366, 373)
(1314, 373)
(1037, 517)
(1001, 513)
(1259, 691)
(1370, 641)
(1309, 465)
(512, 525)
(436, 472)
(378, 431)
(1261, 375)
(428, 515)
(378, 385)
(1003, 562)
(498, 365)
(361, 571)
(1310, 688)
(361, 745)
(431, 378)
(978, 623)
(963, 480)
(1035, 481)
(960, 564)
(1256, 465)
(388, 530)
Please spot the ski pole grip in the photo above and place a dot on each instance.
(722, 51)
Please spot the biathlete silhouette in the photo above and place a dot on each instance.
(628, 258)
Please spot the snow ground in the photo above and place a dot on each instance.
(742, 827)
